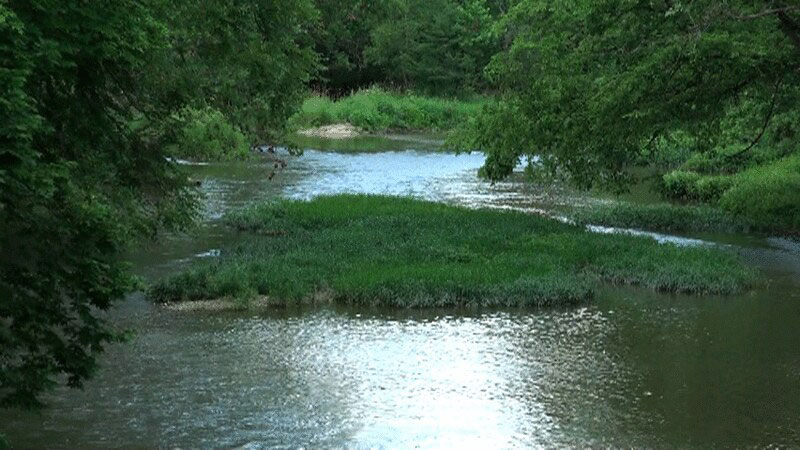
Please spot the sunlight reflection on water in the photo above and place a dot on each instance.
(634, 368)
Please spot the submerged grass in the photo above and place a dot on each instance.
(372, 250)
(665, 217)
(377, 110)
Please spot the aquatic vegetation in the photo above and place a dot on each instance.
(662, 217)
(379, 110)
(374, 250)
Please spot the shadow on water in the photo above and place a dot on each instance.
(632, 368)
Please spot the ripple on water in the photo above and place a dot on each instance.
(330, 378)
(633, 369)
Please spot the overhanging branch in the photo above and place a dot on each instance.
(767, 120)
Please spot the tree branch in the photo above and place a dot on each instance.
(767, 120)
(790, 28)
(767, 12)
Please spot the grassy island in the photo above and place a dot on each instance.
(401, 252)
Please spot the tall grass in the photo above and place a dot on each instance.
(378, 110)
(768, 195)
(407, 253)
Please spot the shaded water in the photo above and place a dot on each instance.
(632, 368)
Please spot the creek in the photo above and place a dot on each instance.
(631, 368)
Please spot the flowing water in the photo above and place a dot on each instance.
(632, 368)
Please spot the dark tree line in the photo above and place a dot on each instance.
(431, 46)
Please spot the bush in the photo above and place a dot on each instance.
(377, 110)
(706, 162)
(768, 195)
(679, 185)
(206, 134)
(727, 160)
(690, 186)
(711, 188)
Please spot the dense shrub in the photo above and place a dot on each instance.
(690, 186)
(378, 110)
(206, 134)
(768, 195)
(710, 189)
(679, 185)
(730, 160)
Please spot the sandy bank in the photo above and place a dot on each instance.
(336, 131)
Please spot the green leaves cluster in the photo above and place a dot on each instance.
(433, 46)
(87, 87)
(437, 46)
(250, 59)
(588, 86)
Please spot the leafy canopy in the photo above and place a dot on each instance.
(589, 85)
(87, 87)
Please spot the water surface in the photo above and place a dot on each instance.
(632, 368)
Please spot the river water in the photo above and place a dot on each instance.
(632, 368)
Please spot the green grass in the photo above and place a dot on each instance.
(376, 110)
(768, 195)
(664, 217)
(694, 187)
(400, 252)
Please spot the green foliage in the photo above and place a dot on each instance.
(438, 46)
(590, 85)
(409, 253)
(662, 217)
(342, 38)
(728, 160)
(206, 134)
(691, 186)
(680, 185)
(76, 184)
(251, 60)
(378, 110)
(711, 188)
(768, 195)
(764, 195)
(710, 162)
(89, 89)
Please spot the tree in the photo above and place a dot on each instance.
(438, 46)
(75, 183)
(587, 85)
(341, 39)
(87, 86)
(249, 59)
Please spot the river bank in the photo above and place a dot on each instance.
(378, 111)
